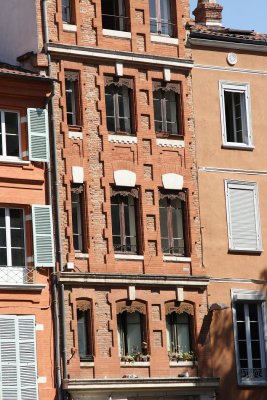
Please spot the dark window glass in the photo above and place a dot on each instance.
(165, 111)
(235, 115)
(9, 136)
(130, 332)
(68, 11)
(118, 108)
(250, 342)
(72, 98)
(78, 217)
(123, 213)
(178, 332)
(114, 15)
(12, 242)
(172, 215)
(84, 335)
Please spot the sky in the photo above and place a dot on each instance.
(242, 14)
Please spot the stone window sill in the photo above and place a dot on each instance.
(170, 143)
(117, 34)
(82, 256)
(177, 259)
(128, 257)
(127, 139)
(182, 364)
(87, 364)
(69, 28)
(135, 364)
(164, 40)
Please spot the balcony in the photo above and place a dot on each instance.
(19, 278)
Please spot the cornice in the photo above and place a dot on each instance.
(94, 53)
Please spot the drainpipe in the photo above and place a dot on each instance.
(58, 232)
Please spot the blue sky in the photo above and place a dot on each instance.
(243, 14)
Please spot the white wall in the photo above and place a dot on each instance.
(18, 29)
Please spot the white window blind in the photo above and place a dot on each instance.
(43, 238)
(18, 370)
(38, 133)
(243, 216)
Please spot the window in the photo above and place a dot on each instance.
(72, 98)
(9, 134)
(118, 96)
(249, 329)
(235, 115)
(68, 11)
(77, 204)
(242, 205)
(178, 332)
(84, 320)
(115, 15)
(124, 216)
(173, 223)
(167, 109)
(18, 369)
(161, 17)
(12, 240)
(131, 324)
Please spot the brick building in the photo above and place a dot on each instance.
(229, 91)
(26, 239)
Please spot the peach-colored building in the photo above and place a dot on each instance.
(131, 283)
(229, 93)
(26, 238)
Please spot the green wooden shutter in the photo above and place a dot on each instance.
(9, 373)
(27, 357)
(43, 238)
(38, 134)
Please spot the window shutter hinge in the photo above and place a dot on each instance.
(25, 154)
(39, 327)
(30, 259)
(28, 217)
(24, 120)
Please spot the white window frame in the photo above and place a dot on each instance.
(246, 297)
(4, 157)
(243, 88)
(232, 184)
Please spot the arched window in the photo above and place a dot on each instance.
(179, 324)
(84, 321)
(131, 328)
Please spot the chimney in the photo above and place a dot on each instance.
(208, 13)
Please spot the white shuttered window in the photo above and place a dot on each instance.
(43, 238)
(38, 134)
(244, 232)
(18, 370)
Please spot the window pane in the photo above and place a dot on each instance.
(3, 257)
(165, 16)
(240, 316)
(228, 102)
(115, 219)
(2, 217)
(83, 331)
(11, 121)
(134, 337)
(77, 218)
(18, 257)
(158, 117)
(171, 112)
(17, 238)
(12, 145)
(16, 218)
(152, 9)
(2, 237)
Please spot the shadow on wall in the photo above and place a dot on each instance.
(221, 354)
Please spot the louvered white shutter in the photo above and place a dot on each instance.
(243, 216)
(38, 133)
(27, 358)
(43, 238)
(9, 372)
